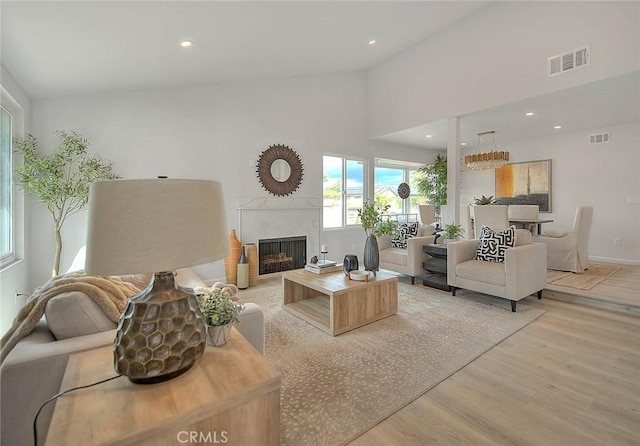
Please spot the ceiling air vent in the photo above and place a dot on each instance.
(568, 61)
(600, 138)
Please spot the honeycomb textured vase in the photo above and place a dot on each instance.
(160, 334)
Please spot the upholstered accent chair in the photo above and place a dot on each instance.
(495, 216)
(568, 250)
(406, 258)
(522, 273)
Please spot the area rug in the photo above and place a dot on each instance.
(336, 388)
(585, 281)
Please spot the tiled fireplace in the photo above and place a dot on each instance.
(286, 230)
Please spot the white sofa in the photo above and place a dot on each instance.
(523, 272)
(32, 372)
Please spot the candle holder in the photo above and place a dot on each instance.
(324, 250)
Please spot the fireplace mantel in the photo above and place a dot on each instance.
(278, 203)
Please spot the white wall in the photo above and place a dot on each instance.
(209, 132)
(15, 277)
(498, 56)
(600, 175)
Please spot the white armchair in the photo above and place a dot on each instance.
(568, 250)
(406, 260)
(523, 272)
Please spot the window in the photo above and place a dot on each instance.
(388, 174)
(342, 190)
(6, 190)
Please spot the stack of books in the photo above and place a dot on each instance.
(323, 267)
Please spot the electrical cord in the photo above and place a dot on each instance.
(58, 395)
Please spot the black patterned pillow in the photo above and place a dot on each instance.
(404, 231)
(492, 245)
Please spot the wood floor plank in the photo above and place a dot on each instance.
(571, 377)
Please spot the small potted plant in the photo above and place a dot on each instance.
(220, 312)
(484, 200)
(452, 232)
(374, 225)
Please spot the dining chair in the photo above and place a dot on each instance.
(495, 216)
(568, 250)
(525, 211)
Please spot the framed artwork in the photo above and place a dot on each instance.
(525, 183)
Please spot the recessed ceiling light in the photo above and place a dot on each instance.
(463, 143)
(428, 136)
(186, 43)
(529, 114)
(372, 42)
(557, 127)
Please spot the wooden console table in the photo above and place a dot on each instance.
(436, 267)
(230, 395)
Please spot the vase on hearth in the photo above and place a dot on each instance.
(243, 271)
(231, 261)
(371, 254)
(252, 255)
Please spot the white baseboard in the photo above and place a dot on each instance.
(596, 259)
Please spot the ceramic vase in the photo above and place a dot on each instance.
(252, 255)
(218, 335)
(231, 262)
(243, 271)
(371, 254)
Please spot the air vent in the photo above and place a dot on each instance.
(568, 61)
(600, 138)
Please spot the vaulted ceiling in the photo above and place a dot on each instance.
(77, 47)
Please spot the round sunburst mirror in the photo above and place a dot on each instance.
(280, 170)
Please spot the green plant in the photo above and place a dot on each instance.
(484, 200)
(61, 179)
(218, 308)
(432, 181)
(452, 231)
(372, 221)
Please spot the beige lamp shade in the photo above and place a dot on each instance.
(153, 225)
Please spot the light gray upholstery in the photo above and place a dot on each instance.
(523, 272)
(406, 261)
(33, 370)
(492, 215)
(571, 251)
(525, 211)
(426, 213)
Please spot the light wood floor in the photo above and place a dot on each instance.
(572, 377)
(618, 293)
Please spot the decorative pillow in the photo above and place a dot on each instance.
(404, 232)
(492, 245)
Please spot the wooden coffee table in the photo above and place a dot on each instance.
(335, 304)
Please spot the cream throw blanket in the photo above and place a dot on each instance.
(110, 293)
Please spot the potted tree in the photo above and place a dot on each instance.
(374, 225)
(61, 179)
(432, 182)
(220, 312)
